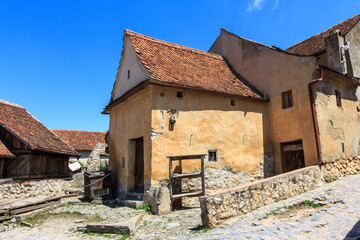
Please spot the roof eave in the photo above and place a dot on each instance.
(142, 85)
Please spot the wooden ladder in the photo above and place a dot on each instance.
(179, 176)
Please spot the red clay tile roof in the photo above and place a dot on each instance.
(316, 44)
(176, 64)
(30, 131)
(81, 140)
(4, 152)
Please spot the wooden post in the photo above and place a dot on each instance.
(170, 177)
(203, 175)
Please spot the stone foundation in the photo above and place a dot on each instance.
(341, 167)
(34, 188)
(240, 200)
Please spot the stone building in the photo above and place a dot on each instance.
(254, 110)
(84, 143)
(29, 150)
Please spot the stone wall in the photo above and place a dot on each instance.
(219, 206)
(95, 162)
(215, 179)
(341, 167)
(34, 188)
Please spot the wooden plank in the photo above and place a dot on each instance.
(170, 177)
(4, 212)
(187, 194)
(31, 208)
(186, 175)
(183, 157)
(203, 175)
(293, 147)
(6, 217)
(28, 202)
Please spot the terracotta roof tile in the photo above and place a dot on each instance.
(30, 131)
(175, 64)
(316, 44)
(81, 140)
(4, 151)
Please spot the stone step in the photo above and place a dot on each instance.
(135, 195)
(132, 203)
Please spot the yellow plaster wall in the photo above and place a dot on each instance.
(129, 120)
(273, 72)
(207, 121)
(337, 125)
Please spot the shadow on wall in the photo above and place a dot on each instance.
(354, 232)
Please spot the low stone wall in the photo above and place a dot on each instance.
(341, 167)
(215, 179)
(219, 206)
(34, 188)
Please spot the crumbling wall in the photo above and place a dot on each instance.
(232, 202)
(199, 123)
(341, 167)
(215, 179)
(94, 162)
(35, 188)
(339, 127)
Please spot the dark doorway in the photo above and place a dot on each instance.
(292, 156)
(139, 164)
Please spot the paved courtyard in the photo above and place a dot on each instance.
(328, 212)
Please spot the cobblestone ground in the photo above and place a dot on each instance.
(328, 212)
(332, 212)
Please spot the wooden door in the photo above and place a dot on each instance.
(139, 164)
(292, 156)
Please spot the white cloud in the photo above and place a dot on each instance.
(276, 5)
(255, 5)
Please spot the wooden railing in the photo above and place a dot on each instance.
(173, 177)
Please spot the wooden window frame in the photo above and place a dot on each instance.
(212, 156)
(287, 99)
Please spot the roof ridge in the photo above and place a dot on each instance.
(271, 47)
(11, 104)
(175, 45)
(313, 36)
(68, 130)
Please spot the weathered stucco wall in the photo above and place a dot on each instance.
(130, 119)
(217, 207)
(353, 53)
(207, 121)
(129, 61)
(337, 125)
(273, 72)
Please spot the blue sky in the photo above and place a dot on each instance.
(59, 59)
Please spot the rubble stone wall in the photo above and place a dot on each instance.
(34, 188)
(224, 204)
(341, 167)
(215, 179)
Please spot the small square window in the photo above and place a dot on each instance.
(287, 99)
(212, 156)
(128, 74)
(338, 98)
(232, 102)
(179, 94)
